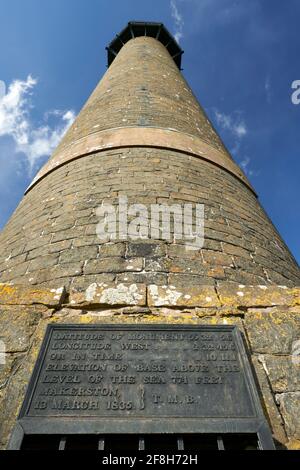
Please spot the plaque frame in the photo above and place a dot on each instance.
(98, 425)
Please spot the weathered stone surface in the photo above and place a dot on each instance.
(158, 278)
(202, 296)
(81, 283)
(186, 266)
(213, 258)
(66, 270)
(113, 265)
(240, 276)
(146, 249)
(236, 251)
(78, 254)
(177, 250)
(272, 331)
(54, 283)
(17, 325)
(21, 295)
(257, 296)
(187, 280)
(268, 402)
(11, 403)
(216, 272)
(6, 371)
(42, 262)
(100, 303)
(290, 409)
(206, 312)
(157, 265)
(216, 320)
(293, 444)
(112, 249)
(76, 232)
(60, 246)
(129, 162)
(110, 294)
(136, 310)
(283, 372)
(16, 387)
(15, 272)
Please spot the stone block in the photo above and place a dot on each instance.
(113, 265)
(283, 372)
(290, 410)
(213, 258)
(42, 262)
(112, 249)
(268, 402)
(187, 280)
(21, 295)
(272, 331)
(110, 294)
(164, 296)
(146, 249)
(17, 326)
(256, 296)
(78, 254)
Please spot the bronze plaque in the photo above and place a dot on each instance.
(141, 371)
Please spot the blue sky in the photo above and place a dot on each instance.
(241, 58)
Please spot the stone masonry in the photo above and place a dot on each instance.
(143, 135)
(268, 317)
(51, 238)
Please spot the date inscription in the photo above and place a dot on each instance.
(125, 371)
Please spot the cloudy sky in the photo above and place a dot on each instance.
(241, 59)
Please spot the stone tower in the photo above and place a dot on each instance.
(143, 136)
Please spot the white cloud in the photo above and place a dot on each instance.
(244, 163)
(207, 16)
(231, 123)
(178, 19)
(2, 89)
(245, 166)
(240, 130)
(202, 13)
(235, 125)
(34, 142)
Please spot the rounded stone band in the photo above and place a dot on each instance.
(141, 137)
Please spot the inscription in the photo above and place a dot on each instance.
(127, 372)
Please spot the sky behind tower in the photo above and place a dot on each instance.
(241, 58)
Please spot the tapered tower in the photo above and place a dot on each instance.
(143, 138)
(142, 134)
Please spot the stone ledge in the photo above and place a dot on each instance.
(237, 295)
(22, 295)
(166, 296)
(230, 298)
(109, 294)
